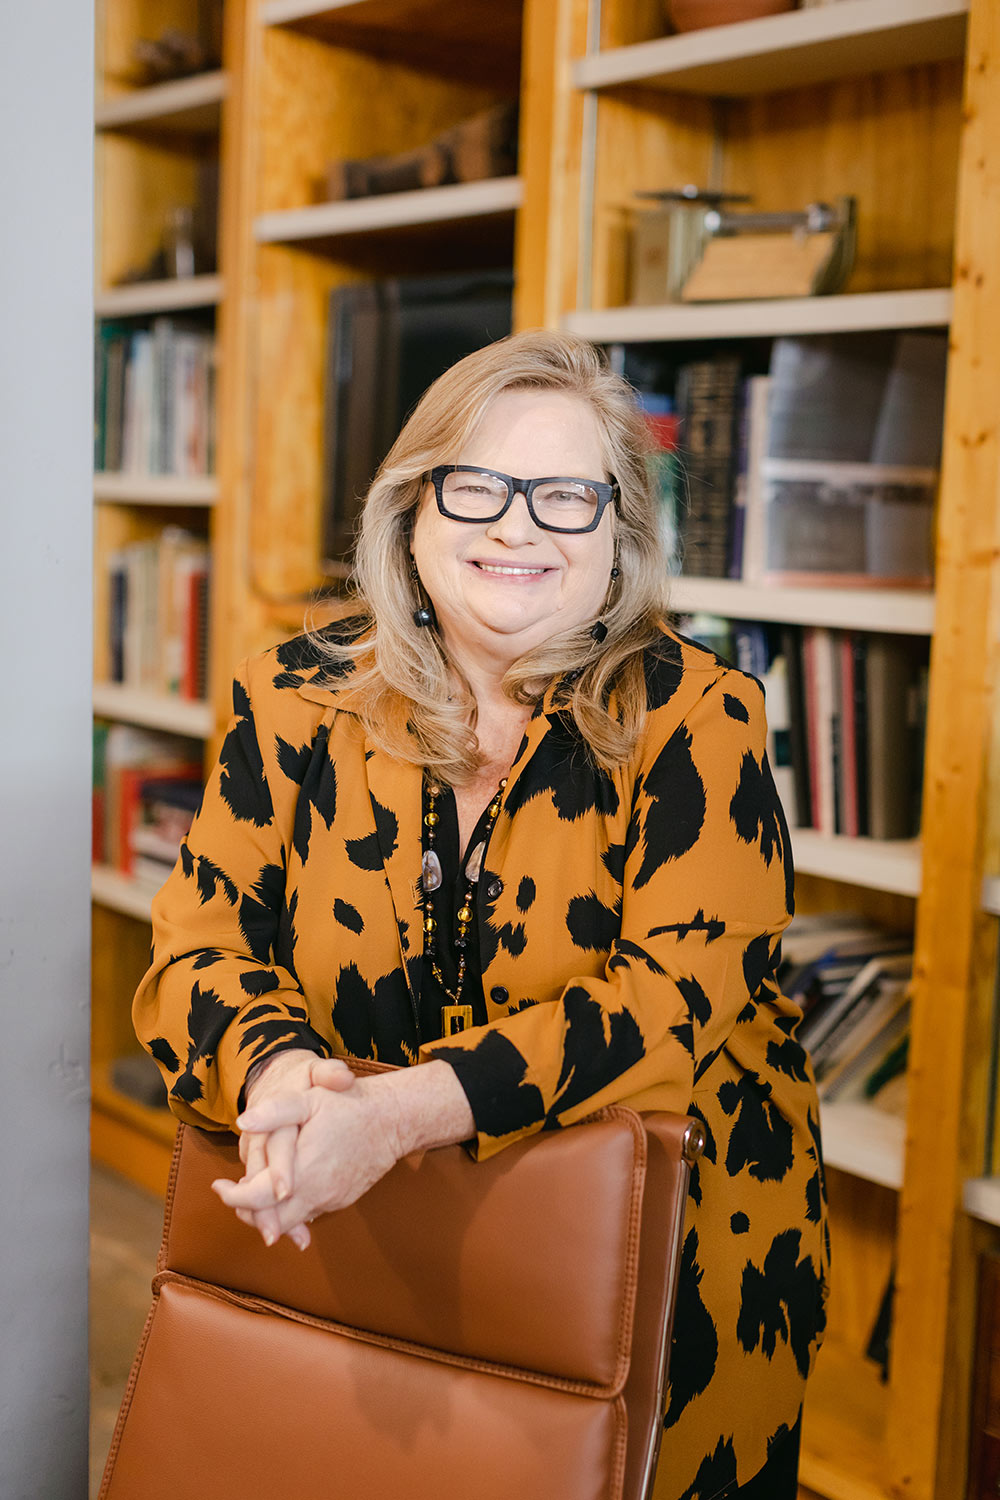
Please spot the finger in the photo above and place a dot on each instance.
(244, 1146)
(331, 1073)
(280, 1151)
(256, 1158)
(273, 1114)
(253, 1192)
(300, 1236)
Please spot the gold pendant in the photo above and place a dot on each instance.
(455, 1019)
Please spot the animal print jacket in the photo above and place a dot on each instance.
(629, 931)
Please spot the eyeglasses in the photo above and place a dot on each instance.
(469, 494)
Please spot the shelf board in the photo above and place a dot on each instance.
(111, 888)
(482, 37)
(441, 205)
(981, 1199)
(849, 313)
(156, 489)
(897, 611)
(193, 718)
(140, 298)
(185, 106)
(158, 1123)
(864, 1141)
(875, 864)
(800, 48)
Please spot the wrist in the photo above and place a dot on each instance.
(423, 1107)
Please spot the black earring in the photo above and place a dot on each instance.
(599, 631)
(423, 616)
(615, 572)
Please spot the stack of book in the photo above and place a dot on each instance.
(846, 716)
(852, 980)
(823, 470)
(147, 787)
(158, 613)
(154, 392)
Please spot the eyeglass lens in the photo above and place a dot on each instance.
(567, 503)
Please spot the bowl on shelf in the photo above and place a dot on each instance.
(693, 15)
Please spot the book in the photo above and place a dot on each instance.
(890, 670)
(708, 403)
(818, 1027)
(752, 560)
(800, 811)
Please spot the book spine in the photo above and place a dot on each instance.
(848, 760)
(709, 408)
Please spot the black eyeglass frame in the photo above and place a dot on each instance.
(607, 493)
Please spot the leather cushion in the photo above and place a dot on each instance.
(207, 1417)
(527, 1259)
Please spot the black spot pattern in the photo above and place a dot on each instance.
(259, 912)
(625, 950)
(816, 1186)
(208, 1018)
(348, 916)
(492, 1075)
(265, 1036)
(676, 811)
(712, 927)
(242, 781)
(784, 1301)
(318, 797)
(757, 962)
(754, 809)
(563, 769)
(590, 1061)
(739, 1223)
(761, 1137)
(716, 1477)
(698, 1004)
(206, 958)
(788, 1057)
(694, 1332)
(164, 1053)
(592, 925)
(735, 708)
(526, 892)
(258, 981)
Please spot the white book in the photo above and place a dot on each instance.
(754, 529)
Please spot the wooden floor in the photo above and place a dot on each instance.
(125, 1228)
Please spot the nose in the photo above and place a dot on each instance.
(517, 525)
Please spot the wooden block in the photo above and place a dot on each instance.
(742, 266)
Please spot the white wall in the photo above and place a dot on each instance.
(46, 114)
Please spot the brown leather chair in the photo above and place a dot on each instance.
(471, 1330)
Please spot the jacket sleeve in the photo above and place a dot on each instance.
(213, 1001)
(707, 891)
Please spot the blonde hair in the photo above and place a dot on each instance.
(402, 676)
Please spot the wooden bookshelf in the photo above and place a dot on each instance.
(143, 298)
(789, 51)
(114, 700)
(441, 206)
(864, 1141)
(118, 892)
(896, 611)
(856, 97)
(895, 101)
(156, 489)
(188, 106)
(857, 312)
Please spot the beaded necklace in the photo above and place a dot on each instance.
(456, 1016)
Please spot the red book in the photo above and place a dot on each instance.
(848, 758)
(129, 808)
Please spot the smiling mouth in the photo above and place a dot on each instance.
(509, 570)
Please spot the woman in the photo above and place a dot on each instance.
(507, 824)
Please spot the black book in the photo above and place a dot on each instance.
(708, 400)
(791, 648)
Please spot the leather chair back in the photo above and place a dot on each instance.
(476, 1329)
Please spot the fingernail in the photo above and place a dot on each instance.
(280, 1187)
(269, 1236)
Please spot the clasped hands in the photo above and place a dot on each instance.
(314, 1137)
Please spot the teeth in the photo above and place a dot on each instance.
(502, 568)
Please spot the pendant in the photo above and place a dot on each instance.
(430, 871)
(474, 863)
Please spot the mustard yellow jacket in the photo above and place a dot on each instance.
(629, 931)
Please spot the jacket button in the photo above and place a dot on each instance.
(499, 995)
(494, 889)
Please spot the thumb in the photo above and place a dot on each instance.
(331, 1073)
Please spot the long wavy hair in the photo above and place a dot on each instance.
(403, 682)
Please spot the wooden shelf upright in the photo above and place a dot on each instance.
(898, 104)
